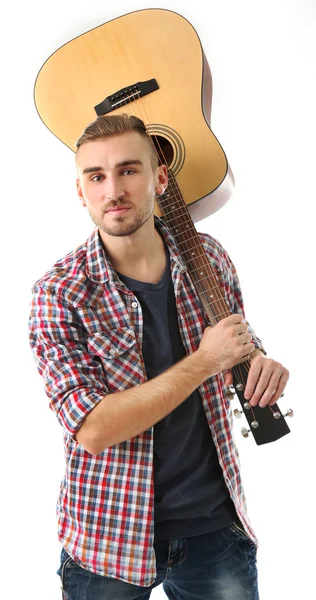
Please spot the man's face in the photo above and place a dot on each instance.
(117, 184)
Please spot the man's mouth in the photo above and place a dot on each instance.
(117, 209)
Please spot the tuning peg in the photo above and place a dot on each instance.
(245, 431)
(289, 413)
(277, 414)
(237, 413)
(231, 392)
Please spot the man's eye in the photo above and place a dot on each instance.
(127, 171)
(96, 178)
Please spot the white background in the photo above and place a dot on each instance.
(262, 58)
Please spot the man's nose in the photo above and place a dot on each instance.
(113, 189)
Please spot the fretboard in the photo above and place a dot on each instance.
(178, 220)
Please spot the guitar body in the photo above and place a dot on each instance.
(141, 46)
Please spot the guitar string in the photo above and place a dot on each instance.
(174, 189)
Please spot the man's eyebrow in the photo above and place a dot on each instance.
(123, 163)
(91, 170)
(126, 163)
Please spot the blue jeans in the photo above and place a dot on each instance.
(215, 566)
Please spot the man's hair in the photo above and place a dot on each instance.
(104, 127)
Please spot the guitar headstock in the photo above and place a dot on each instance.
(266, 424)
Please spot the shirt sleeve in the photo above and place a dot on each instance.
(74, 380)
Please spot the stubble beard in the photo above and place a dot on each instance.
(122, 228)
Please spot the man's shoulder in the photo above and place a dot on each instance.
(71, 264)
(67, 277)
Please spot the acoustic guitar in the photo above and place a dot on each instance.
(151, 63)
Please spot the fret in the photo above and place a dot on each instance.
(199, 267)
(170, 214)
(208, 295)
(172, 204)
(184, 232)
(173, 208)
(185, 241)
(196, 256)
(184, 225)
(203, 278)
(226, 313)
(210, 289)
(216, 289)
(214, 298)
(193, 252)
(171, 199)
(218, 301)
(195, 262)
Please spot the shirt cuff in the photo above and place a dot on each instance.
(76, 407)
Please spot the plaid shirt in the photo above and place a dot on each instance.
(86, 336)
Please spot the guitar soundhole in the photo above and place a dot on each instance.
(164, 150)
(169, 145)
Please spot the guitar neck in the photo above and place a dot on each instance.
(177, 218)
(267, 424)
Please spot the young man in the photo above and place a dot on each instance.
(152, 491)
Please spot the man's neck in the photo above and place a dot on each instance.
(139, 256)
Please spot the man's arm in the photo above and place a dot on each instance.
(123, 415)
(76, 383)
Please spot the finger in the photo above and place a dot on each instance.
(267, 393)
(271, 388)
(280, 388)
(253, 376)
(241, 327)
(261, 386)
(228, 377)
(234, 318)
(246, 350)
(244, 338)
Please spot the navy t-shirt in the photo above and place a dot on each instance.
(191, 497)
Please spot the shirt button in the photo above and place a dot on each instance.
(112, 351)
(134, 304)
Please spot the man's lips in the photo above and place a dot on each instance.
(117, 209)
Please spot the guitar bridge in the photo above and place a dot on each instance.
(125, 96)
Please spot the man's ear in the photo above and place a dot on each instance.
(162, 179)
(80, 193)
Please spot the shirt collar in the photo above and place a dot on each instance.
(99, 267)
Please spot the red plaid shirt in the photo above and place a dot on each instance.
(86, 336)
